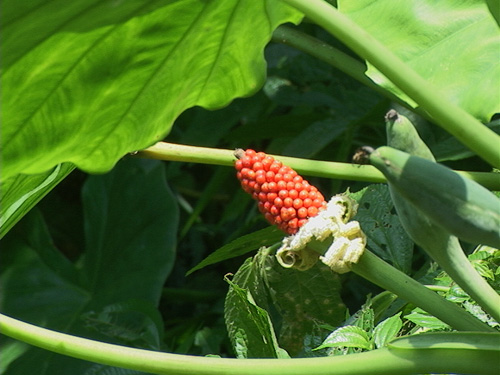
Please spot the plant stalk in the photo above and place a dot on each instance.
(463, 126)
(328, 169)
(454, 262)
(336, 58)
(381, 273)
(471, 358)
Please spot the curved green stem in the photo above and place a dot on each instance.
(336, 58)
(346, 171)
(381, 273)
(450, 117)
(400, 360)
(454, 262)
(329, 54)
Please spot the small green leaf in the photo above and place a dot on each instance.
(386, 330)
(423, 319)
(249, 326)
(240, 246)
(364, 318)
(347, 336)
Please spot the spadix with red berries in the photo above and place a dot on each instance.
(284, 197)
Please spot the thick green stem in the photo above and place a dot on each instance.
(381, 273)
(386, 361)
(454, 262)
(346, 171)
(450, 117)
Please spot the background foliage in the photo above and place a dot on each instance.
(106, 256)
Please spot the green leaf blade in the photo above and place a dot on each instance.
(21, 192)
(386, 330)
(99, 80)
(124, 247)
(240, 246)
(249, 326)
(385, 234)
(442, 42)
(349, 337)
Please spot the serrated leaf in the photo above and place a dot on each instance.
(240, 246)
(386, 330)
(89, 81)
(441, 41)
(347, 336)
(386, 236)
(249, 326)
(423, 319)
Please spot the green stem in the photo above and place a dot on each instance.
(454, 262)
(386, 361)
(450, 117)
(329, 54)
(345, 171)
(336, 58)
(381, 273)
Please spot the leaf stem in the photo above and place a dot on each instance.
(336, 58)
(398, 361)
(449, 116)
(454, 262)
(328, 169)
(381, 273)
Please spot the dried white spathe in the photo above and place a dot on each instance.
(348, 244)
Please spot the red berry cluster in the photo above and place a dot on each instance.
(285, 198)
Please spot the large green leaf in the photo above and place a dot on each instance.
(112, 293)
(453, 44)
(89, 81)
(131, 227)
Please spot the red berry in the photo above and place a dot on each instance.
(284, 197)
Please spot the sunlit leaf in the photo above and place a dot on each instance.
(89, 81)
(386, 330)
(348, 336)
(452, 44)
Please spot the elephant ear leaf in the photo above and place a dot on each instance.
(86, 82)
(441, 41)
(89, 81)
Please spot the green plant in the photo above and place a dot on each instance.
(91, 82)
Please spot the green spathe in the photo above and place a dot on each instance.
(456, 203)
